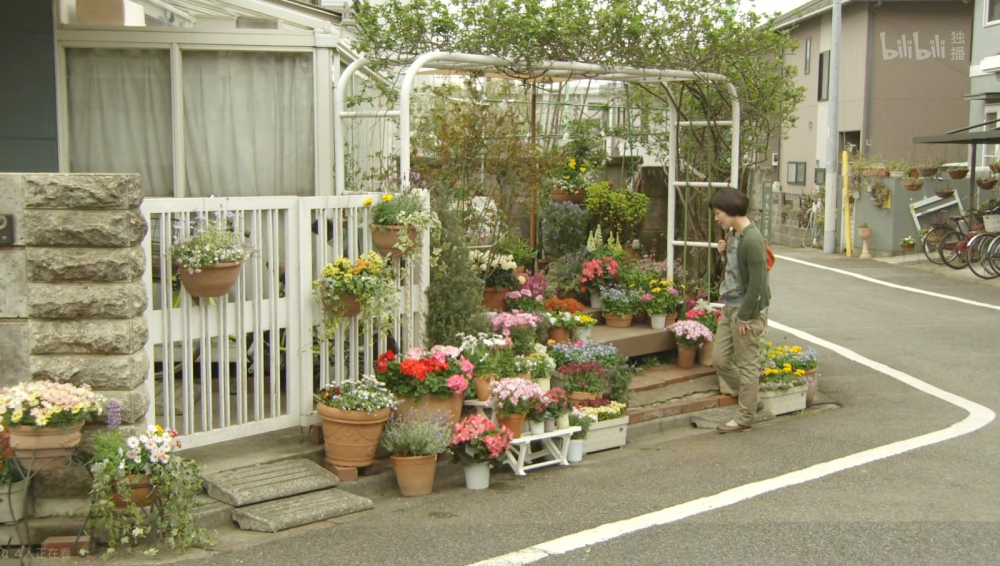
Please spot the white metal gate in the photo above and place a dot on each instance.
(250, 362)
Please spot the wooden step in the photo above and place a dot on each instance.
(688, 405)
(669, 383)
(634, 340)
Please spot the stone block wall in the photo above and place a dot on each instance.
(72, 299)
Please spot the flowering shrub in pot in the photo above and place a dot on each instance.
(597, 273)
(512, 399)
(690, 334)
(559, 407)
(620, 305)
(427, 382)
(583, 380)
(45, 419)
(353, 415)
(210, 255)
(477, 443)
(601, 409)
(347, 289)
(497, 272)
(530, 296)
(492, 358)
(414, 444)
(662, 303)
(521, 327)
(703, 312)
(398, 220)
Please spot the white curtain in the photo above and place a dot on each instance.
(119, 114)
(248, 123)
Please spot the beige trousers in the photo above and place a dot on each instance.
(735, 359)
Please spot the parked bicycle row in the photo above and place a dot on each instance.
(971, 241)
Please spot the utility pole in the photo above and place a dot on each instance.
(832, 136)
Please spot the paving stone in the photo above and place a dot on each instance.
(274, 516)
(266, 482)
(212, 514)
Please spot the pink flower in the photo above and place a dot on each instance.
(450, 351)
(672, 291)
(439, 357)
(467, 366)
(646, 298)
(513, 295)
(458, 384)
(415, 353)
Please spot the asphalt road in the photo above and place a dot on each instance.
(934, 505)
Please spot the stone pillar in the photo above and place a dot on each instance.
(81, 313)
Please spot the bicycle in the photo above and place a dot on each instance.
(954, 245)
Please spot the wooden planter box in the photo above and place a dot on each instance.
(606, 434)
(782, 402)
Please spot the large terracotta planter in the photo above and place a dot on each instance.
(385, 238)
(493, 298)
(414, 474)
(705, 354)
(514, 422)
(559, 334)
(351, 437)
(686, 356)
(560, 195)
(142, 491)
(577, 396)
(484, 384)
(618, 321)
(427, 406)
(46, 447)
(214, 281)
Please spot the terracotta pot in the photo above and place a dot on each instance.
(558, 334)
(352, 307)
(812, 386)
(45, 447)
(865, 232)
(913, 185)
(907, 247)
(914, 173)
(351, 437)
(705, 354)
(514, 422)
(385, 238)
(523, 375)
(214, 281)
(958, 173)
(686, 356)
(427, 406)
(143, 491)
(521, 270)
(560, 195)
(618, 321)
(493, 298)
(577, 396)
(414, 474)
(671, 318)
(483, 386)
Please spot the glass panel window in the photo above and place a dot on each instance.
(808, 62)
(820, 177)
(248, 121)
(824, 76)
(796, 173)
(993, 10)
(119, 114)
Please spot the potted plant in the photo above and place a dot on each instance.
(958, 172)
(782, 390)
(907, 244)
(211, 257)
(427, 383)
(13, 484)
(520, 327)
(44, 419)
(582, 325)
(880, 194)
(559, 407)
(512, 399)
(479, 444)
(944, 192)
(929, 167)
(560, 317)
(597, 273)
(619, 210)
(398, 220)
(864, 231)
(570, 180)
(619, 306)
(348, 289)
(986, 184)
(520, 250)
(704, 313)
(690, 334)
(661, 303)
(538, 366)
(530, 297)
(353, 416)
(913, 184)
(797, 358)
(537, 415)
(414, 445)
(899, 169)
(583, 380)
(131, 474)
(576, 441)
(497, 271)
(610, 426)
(492, 358)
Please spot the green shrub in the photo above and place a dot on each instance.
(455, 296)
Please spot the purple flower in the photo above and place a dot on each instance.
(114, 414)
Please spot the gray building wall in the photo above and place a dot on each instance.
(28, 99)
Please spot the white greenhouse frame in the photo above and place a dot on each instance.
(447, 63)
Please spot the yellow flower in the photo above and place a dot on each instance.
(521, 279)
(657, 289)
(566, 177)
(572, 163)
(770, 343)
(797, 349)
(551, 341)
(583, 169)
(386, 198)
(368, 202)
(159, 428)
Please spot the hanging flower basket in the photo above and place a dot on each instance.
(211, 281)
(560, 195)
(913, 185)
(986, 184)
(143, 491)
(928, 171)
(958, 173)
(386, 238)
(944, 192)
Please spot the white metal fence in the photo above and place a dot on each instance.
(250, 362)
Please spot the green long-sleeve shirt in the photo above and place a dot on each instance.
(752, 257)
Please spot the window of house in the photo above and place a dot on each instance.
(992, 10)
(796, 173)
(819, 177)
(808, 63)
(247, 117)
(990, 152)
(824, 76)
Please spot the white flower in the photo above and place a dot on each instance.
(132, 442)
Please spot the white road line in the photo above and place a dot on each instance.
(892, 285)
(979, 416)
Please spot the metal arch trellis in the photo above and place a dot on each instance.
(439, 62)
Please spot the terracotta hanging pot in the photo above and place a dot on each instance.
(493, 298)
(143, 491)
(560, 195)
(705, 354)
(559, 334)
(214, 281)
(514, 422)
(686, 356)
(414, 474)
(986, 184)
(484, 386)
(385, 238)
(618, 321)
(351, 437)
(352, 307)
(45, 447)
(908, 247)
(427, 406)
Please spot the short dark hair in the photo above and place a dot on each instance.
(730, 201)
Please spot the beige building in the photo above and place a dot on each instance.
(904, 71)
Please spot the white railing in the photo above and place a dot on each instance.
(250, 362)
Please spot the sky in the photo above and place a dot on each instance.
(768, 6)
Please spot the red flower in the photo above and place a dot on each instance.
(383, 361)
